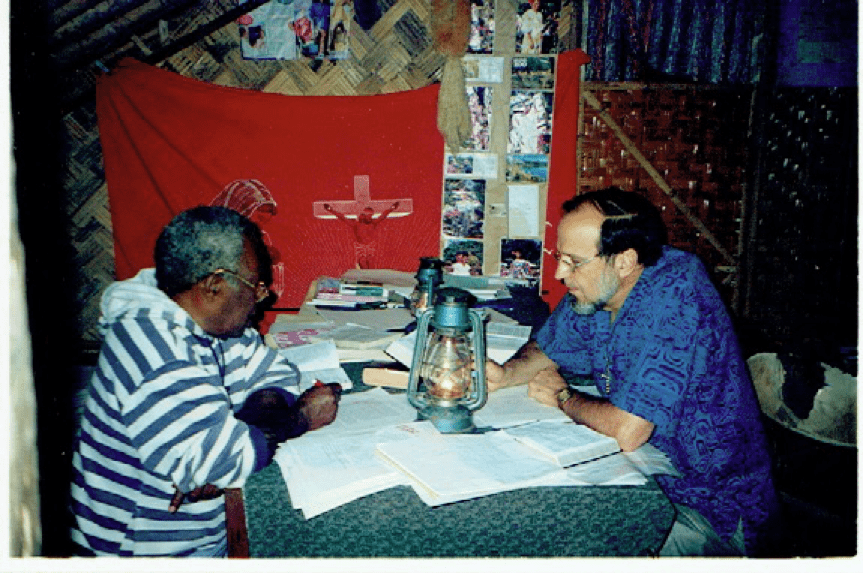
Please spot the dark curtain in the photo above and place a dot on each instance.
(703, 41)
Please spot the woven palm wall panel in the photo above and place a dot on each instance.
(696, 138)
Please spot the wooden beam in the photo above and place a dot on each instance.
(654, 174)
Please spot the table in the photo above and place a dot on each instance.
(530, 522)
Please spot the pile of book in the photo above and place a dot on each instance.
(356, 295)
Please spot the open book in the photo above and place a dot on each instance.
(317, 362)
(564, 442)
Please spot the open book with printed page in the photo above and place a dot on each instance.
(564, 442)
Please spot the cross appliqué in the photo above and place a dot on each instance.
(362, 200)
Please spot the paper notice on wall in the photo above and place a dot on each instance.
(523, 210)
(470, 165)
(485, 69)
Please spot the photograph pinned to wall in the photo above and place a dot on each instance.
(463, 208)
(479, 165)
(527, 168)
(523, 210)
(521, 259)
(481, 39)
(533, 73)
(287, 30)
(463, 257)
(341, 18)
(529, 122)
(479, 104)
(487, 69)
(267, 32)
(536, 27)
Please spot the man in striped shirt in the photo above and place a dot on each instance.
(186, 399)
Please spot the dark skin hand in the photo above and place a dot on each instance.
(318, 405)
(208, 491)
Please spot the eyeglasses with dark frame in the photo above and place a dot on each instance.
(262, 291)
(567, 261)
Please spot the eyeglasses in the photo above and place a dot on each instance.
(567, 261)
(261, 289)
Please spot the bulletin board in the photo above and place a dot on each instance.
(504, 187)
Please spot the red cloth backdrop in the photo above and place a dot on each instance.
(563, 162)
(172, 142)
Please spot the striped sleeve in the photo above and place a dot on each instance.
(176, 407)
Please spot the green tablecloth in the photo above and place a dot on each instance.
(536, 522)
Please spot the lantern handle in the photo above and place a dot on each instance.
(419, 348)
(476, 320)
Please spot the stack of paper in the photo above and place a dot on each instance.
(358, 335)
(336, 464)
(375, 444)
(630, 468)
(448, 468)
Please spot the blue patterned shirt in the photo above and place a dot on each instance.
(671, 357)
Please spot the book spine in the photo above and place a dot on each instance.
(344, 297)
(362, 290)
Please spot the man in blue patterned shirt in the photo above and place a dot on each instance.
(186, 399)
(646, 323)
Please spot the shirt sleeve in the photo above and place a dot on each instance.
(564, 339)
(181, 422)
(251, 365)
(181, 417)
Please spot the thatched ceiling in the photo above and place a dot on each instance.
(85, 37)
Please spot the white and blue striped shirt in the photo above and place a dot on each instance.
(159, 413)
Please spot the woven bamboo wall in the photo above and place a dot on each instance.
(696, 139)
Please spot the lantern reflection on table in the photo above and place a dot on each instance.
(447, 378)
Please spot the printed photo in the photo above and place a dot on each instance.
(267, 33)
(521, 259)
(463, 257)
(463, 208)
(536, 27)
(479, 104)
(487, 69)
(533, 72)
(317, 29)
(529, 168)
(473, 165)
(481, 40)
(459, 164)
(530, 122)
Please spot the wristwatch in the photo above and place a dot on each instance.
(563, 396)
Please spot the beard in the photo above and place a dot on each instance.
(607, 287)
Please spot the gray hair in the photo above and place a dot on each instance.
(200, 240)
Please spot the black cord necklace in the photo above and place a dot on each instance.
(606, 376)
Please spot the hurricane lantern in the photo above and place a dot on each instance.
(447, 377)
